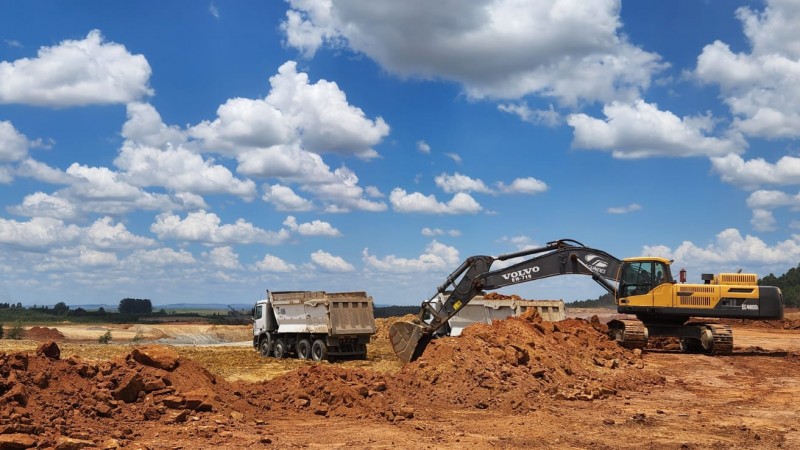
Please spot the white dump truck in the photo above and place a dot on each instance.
(314, 325)
(484, 310)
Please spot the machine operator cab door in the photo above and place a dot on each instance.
(645, 282)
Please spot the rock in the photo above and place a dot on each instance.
(129, 388)
(180, 417)
(110, 444)
(19, 361)
(173, 401)
(151, 413)
(18, 394)
(321, 410)
(154, 385)
(608, 421)
(16, 441)
(199, 400)
(237, 416)
(50, 350)
(41, 380)
(156, 356)
(66, 443)
(407, 412)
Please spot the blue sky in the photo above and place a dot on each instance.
(207, 151)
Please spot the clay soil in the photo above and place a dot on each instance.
(519, 383)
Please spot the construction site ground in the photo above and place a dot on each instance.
(519, 383)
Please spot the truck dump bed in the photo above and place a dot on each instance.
(334, 314)
(483, 310)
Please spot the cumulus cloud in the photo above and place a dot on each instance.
(436, 256)
(162, 257)
(204, 227)
(455, 157)
(42, 172)
(271, 263)
(763, 220)
(13, 144)
(760, 86)
(105, 234)
(330, 263)
(766, 199)
(527, 185)
(729, 250)
(89, 71)
(37, 233)
(416, 202)
(285, 199)
(144, 126)
(423, 147)
(460, 183)
(430, 232)
(223, 257)
(624, 209)
(181, 170)
(641, 130)
(757, 172)
(314, 228)
(523, 50)
(548, 117)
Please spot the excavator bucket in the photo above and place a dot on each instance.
(408, 340)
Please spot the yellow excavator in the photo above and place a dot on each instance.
(641, 286)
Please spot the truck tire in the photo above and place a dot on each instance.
(303, 349)
(263, 346)
(280, 349)
(319, 351)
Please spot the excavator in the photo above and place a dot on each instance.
(641, 286)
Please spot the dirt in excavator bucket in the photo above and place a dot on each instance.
(408, 340)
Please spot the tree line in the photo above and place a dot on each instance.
(789, 283)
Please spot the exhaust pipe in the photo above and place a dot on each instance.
(409, 340)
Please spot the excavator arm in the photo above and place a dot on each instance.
(474, 275)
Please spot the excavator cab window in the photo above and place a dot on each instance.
(637, 278)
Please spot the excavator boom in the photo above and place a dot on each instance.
(474, 275)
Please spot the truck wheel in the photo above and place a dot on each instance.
(303, 349)
(280, 349)
(263, 346)
(319, 351)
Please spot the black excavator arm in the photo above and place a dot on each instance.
(474, 275)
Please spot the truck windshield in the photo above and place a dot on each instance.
(637, 278)
(259, 311)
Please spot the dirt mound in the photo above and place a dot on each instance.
(47, 399)
(43, 334)
(498, 296)
(511, 364)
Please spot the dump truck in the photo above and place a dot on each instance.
(487, 308)
(315, 325)
(642, 286)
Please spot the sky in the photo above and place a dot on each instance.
(204, 152)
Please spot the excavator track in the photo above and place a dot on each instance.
(629, 333)
(722, 339)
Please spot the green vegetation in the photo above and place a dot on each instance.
(789, 283)
(135, 306)
(604, 301)
(106, 338)
(15, 332)
(382, 312)
(1, 331)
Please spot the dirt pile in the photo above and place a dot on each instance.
(512, 364)
(47, 400)
(43, 334)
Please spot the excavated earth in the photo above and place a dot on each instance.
(518, 383)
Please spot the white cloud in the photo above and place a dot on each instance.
(213, 10)
(437, 256)
(37, 233)
(430, 232)
(755, 172)
(624, 209)
(423, 147)
(144, 126)
(527, 185)
(374, 192)
(42, 172)
(76, 72)
(6, 175)
(764, 199)
(104, 234)
(455, 157)
(763, 220)
(416, 202)
(40, 204)
(200, 226)
(162, 257)
(314, 228)
(180, 170)
(13, 144)
(223, 257)
(285, 199)
(641, 130)
(523, 50)
(548, 117)
(729, 250)
(330, 263)
(760, 87)
(96, 258)
(460, 183)
(272, 263)
(342, 193)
